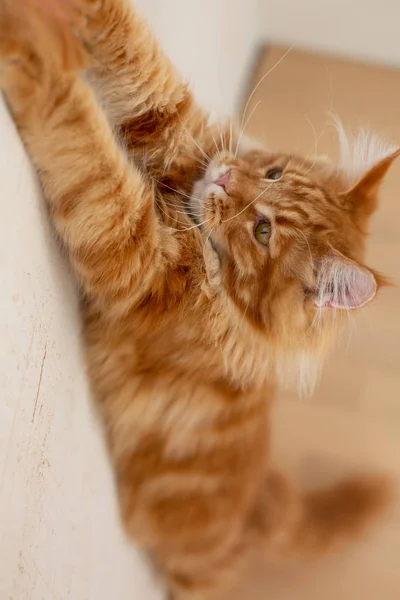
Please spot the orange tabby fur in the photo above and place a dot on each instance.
(189, 328)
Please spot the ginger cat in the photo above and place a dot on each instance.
(211, 269)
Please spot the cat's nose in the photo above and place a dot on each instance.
(223, 180)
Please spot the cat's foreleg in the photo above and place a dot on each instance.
(102, 207)
(145, 98)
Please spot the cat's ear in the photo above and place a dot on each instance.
(364, 162)
(362, 196)
(342, 282)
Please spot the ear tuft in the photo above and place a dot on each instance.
(361, 153)
(342, 283)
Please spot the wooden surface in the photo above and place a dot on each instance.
(352, 423)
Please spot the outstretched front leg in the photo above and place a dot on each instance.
(102, 207)
(145, 98)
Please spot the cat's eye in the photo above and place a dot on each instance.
(262, 232)
(274, 174)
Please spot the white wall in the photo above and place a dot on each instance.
(366, 29)
(60, 536)
(212, 43)
(59, 531)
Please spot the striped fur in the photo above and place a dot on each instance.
(188, 327)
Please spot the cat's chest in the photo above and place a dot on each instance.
(121, 351)
(192, 343)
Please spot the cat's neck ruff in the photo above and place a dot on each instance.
(252, 360)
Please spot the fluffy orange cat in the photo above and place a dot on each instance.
(211, 269)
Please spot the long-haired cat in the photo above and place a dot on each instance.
(211, 270)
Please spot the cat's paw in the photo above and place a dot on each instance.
(19, 63)
(36, 55)
(88, 19)
(94, 20)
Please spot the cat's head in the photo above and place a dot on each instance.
(290, 234)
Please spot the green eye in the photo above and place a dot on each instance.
(262, 232)
(274, 174)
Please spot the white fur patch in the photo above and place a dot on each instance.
(248, 143)
(299, 370)
(358, 153)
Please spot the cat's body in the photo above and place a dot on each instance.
(188, 328)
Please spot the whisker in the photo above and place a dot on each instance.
(249, 204)
(230, 135)
(215, 143)
(316, 146)
(202, 165)
(180, 202)
(177, 206)
(327, 121)
(183, 212)
(221, 138)
(190, 196)
(316, 140)
(244, 127)
(199, 160)
(192, 227)
(170, 216)
(194, 141)
(311, 152)
(183, 205)
(263, 78)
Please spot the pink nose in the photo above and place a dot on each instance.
(223, 180)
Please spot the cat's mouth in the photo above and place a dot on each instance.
(212, 189)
